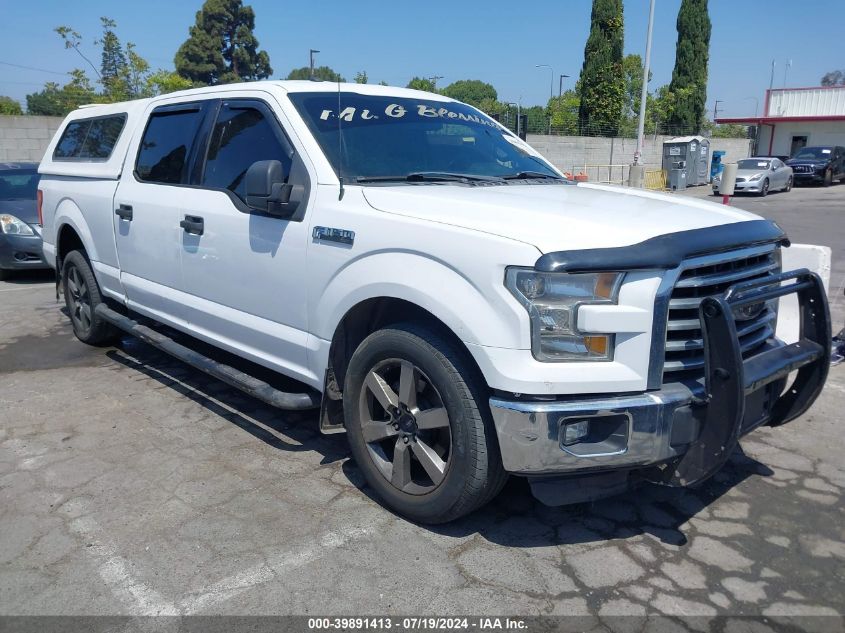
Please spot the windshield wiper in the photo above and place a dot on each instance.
(428, 176)
(527, 175)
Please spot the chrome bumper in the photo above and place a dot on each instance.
(530, 432)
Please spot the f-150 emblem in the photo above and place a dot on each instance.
(328, 234)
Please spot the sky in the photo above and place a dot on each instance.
(495, 41)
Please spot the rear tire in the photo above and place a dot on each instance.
(82, 296)
(450, 464)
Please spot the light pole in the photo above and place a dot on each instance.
(644, 92)
(311, 55)
(551, 88)
(560, 87)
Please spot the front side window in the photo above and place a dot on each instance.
(90, 139)
(368, 137)
(166, 145)
(242, 135)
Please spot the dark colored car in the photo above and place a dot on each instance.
(20, 234)
(822, 164)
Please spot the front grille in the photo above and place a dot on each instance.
(740, 179)
(684, 359)
(803, 169)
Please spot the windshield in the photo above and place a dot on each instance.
(753, 163)
(396, 138)
(815, 153)
(18, 184)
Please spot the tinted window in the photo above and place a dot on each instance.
(387, 137)
(166, 145)
(90, 139)
(18, 184)
(242, 136)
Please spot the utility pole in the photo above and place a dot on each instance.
(434, 79)
(772, 80)
(786, 71)
(311, 55)
(644, 92)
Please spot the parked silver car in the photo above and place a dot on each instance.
(759, 175)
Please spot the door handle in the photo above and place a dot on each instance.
(193, 224)
(124, 212)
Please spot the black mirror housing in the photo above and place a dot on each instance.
(266, 189)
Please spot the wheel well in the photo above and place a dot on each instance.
(68, 241)
(373, 314)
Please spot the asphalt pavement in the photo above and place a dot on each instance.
(132, 485)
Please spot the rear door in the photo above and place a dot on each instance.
(244, 276)
(148, 208)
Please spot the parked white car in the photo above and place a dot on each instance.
(759, 175)
(442, 293)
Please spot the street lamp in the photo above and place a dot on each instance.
(551, 88)
(311, 55)
(560, 87)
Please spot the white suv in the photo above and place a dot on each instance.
(439, 290)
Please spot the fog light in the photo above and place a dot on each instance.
(574, 432)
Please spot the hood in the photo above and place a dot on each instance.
(807, 161)
(555, 217)
(747, 173)
(25, 210)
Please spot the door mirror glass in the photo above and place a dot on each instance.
(266, 189)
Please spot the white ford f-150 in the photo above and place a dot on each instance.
(438, 289)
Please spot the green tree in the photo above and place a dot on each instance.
(420, 83)
(221, 47)
(58, 101)
(9, 106)
(602, 81)
(564, 112)
(113, 65)
(321, 73)
(834, 78)
(471, 91)
(361, 77)
(164, 81)
(691, 56)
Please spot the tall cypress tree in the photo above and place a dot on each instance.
(602, 80)
(221, 47)
(689, 78)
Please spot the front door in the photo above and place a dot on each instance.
(244, 271)
(147, 205)
(798, 142)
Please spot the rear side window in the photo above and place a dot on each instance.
(166, 145)
(242, 135)
(90, 139)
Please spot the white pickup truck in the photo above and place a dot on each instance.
(437, 288)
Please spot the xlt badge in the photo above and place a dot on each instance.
(328, 234)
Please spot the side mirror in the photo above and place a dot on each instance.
(266, 189)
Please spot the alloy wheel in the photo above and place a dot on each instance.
(405, 426)
(80, 299)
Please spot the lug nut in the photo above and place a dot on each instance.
(405, 439)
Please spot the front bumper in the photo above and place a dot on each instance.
(744, 187)
(21, 252)
(681, 434)
(807, 177)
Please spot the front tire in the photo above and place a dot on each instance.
(5, 274)
(82, 296)
(788, 187)
(765, 189)
(828, 178)
(419, 426)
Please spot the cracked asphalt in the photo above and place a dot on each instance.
(131, 484)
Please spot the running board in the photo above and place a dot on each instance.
(225, 373)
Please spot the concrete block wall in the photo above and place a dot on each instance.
(571, 153)
(24, 138)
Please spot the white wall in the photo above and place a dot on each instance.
(817, 133)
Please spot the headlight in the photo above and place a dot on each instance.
(755, 177)
(552, 301)
(10, 225)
